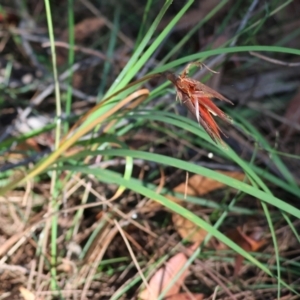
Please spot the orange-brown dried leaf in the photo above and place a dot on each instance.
(254, 240)
(188, 230)
(162, 278)
(197, 185)
(249, 243)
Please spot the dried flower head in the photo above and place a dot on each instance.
(197, 98)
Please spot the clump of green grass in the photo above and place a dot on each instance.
(125, 110)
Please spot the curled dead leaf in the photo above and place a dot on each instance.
(250, 243)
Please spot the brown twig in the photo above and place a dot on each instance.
(275, 61)
(78, 48)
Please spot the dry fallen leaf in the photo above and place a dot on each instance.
(162, 278)
(187, 229)
(197, 186)
(249, 243)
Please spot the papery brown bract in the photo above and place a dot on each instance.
(197, 98)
